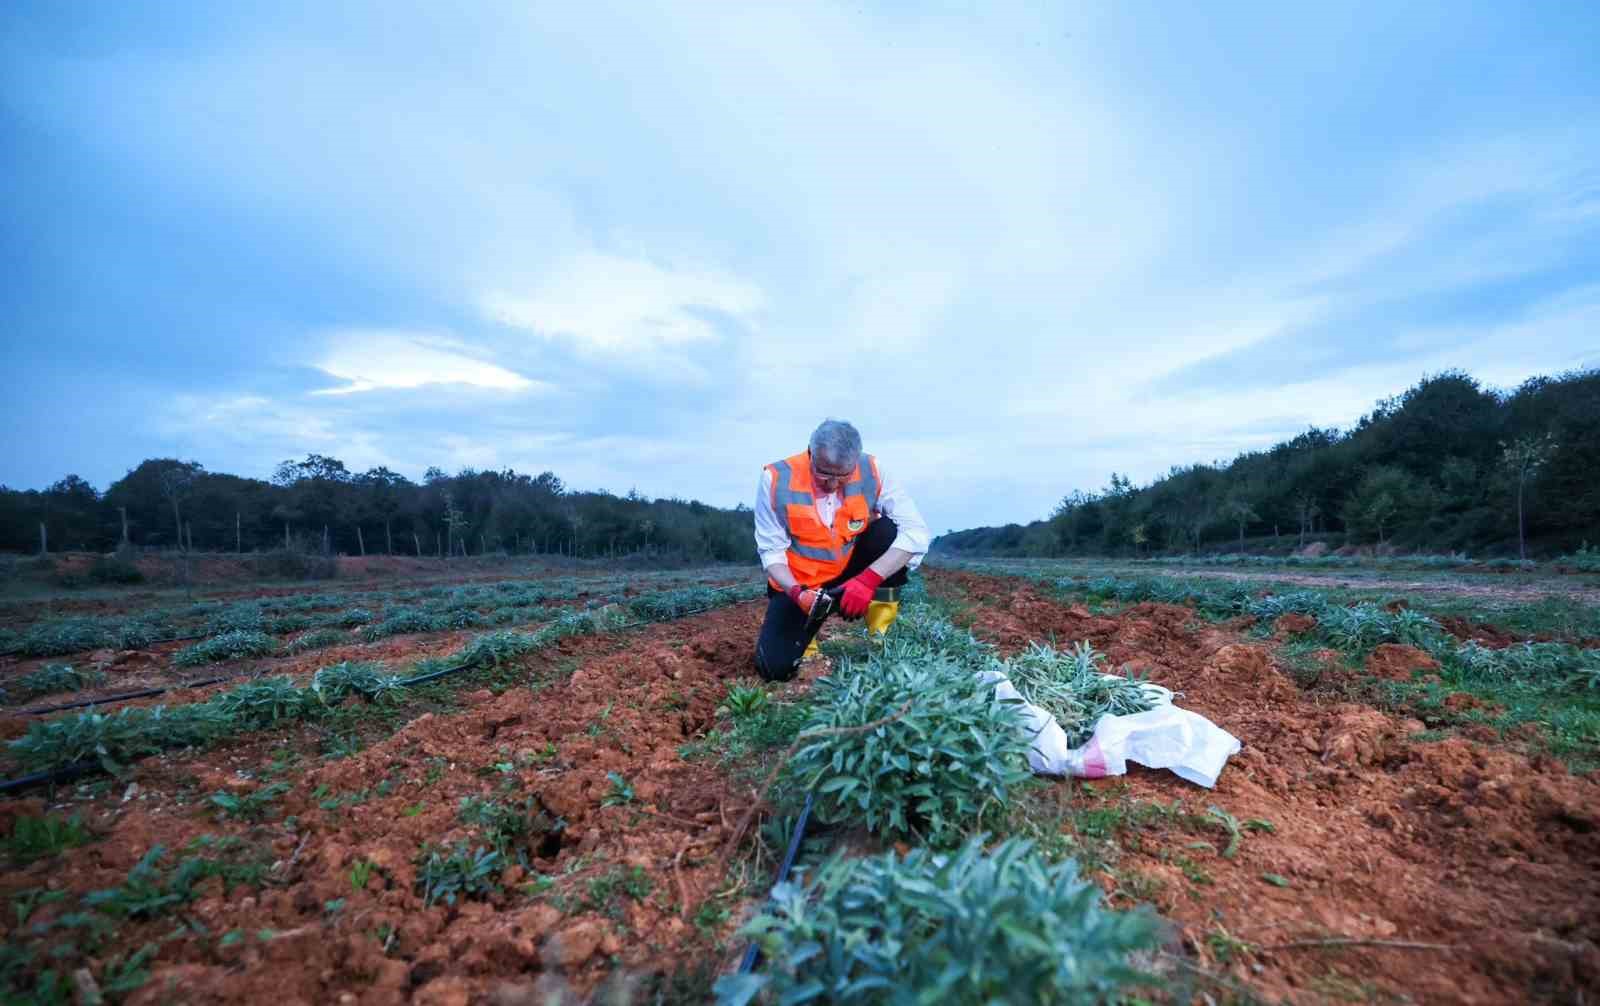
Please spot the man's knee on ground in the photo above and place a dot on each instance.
(775, 670)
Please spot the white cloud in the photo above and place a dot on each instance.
(619, 305)
(372, 360)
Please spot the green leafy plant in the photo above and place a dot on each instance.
(457, 872)
(745, 700)
(909, 748)
(34, 838)
(510, 827)
(316, 639)
(332, 685)
(621, 791)
(360, 873)
(252, 806)
(263, 702)
(1073, 687)
(605, 892)
(966, 927)
(231, 645)
(54, 678)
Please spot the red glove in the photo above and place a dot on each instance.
(804, 597)
(858, 593)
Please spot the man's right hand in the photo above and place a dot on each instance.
(803, 597)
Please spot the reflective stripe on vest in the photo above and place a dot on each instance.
(863, 483)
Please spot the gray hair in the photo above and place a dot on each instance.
(837, 444)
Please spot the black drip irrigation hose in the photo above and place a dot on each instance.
(67, 773)
(146, 693)
(752, 953)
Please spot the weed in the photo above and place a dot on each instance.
(606, 891)
(744, 700)
(446, 874)
(252, 806)
(621, 791)
(509, 827)
(361, 872)
(37, 837)
(1225, 946)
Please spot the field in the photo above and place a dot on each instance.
(526, 785)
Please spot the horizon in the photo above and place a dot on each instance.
(651, 248)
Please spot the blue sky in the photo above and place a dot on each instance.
(652, 246)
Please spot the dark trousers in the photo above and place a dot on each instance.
(784, 637)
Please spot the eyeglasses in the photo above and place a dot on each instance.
(822, 476)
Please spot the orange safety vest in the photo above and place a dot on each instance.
(818, 553)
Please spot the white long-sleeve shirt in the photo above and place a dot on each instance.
(772, 541)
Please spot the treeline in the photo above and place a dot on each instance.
(1447, 466)
(318, 506)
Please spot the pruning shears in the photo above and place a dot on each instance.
(827, 600)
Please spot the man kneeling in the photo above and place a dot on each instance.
(826, 518)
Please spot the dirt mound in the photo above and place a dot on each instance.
(1397, 662)
(1292, 624)
(1442, 872)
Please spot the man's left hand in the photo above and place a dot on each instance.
(858, 591)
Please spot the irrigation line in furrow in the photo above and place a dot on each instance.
(68, 772)
(388, 597)
(752, 953)
(146, 693)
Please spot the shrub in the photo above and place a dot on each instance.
(333, 684)
(245, 616)
(262, 702)
(493, 649)
(317, 639)
(115, 738)
(228, 646)
(404, 620)
(55, 678)
(928, 773)
(68, 635)
(114, 569)
(353, 617)
(967, 927)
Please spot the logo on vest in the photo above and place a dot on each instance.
(856, 525)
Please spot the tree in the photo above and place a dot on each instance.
(1384, 499)
(1523, 458)
(176, 477)
(1239, 510)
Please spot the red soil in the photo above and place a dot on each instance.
(1491, 857)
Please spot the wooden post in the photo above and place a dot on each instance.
(238, 533)
(360, 541)
(417, 542)
(325, 550)
(124, 511)
(388, 539)
(188, 533)
(438, 544)
(44, 540)
(286, 536)
(483, 544)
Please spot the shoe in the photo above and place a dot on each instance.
(881, 615)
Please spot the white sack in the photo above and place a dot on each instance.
(1164, 736)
